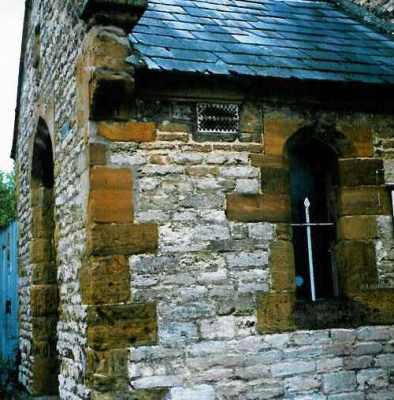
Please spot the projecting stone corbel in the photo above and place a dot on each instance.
(122, 13)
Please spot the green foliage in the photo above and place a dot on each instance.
(7, 198)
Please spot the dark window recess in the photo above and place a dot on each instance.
(314, 176)
(218, 121)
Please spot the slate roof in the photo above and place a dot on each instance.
(311, 40)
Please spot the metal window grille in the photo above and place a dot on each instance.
(217, 118)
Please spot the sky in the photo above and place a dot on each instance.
(11, 24)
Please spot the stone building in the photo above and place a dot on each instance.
(168, 153)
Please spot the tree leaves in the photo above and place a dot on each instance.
(7, 198)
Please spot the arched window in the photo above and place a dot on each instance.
(313, 183)
(44, 290)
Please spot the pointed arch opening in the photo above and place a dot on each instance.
(313, 163)
(44, 289)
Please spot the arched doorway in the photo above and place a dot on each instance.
(44, 290)
(313, 189)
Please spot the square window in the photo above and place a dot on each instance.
(218, 121)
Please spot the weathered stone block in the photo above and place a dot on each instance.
(356, 262)
(282, 266)
(379, 305)
(275, 179)
(251, 122)
(258, 208)
(128, 131)
(364, 200)
(44, 300)
(45, 379)
(109, 95)
(123, 13)
(44, 328)
(342, 381)
(111, 195)
(121, 326)
(359, 131)
(105, 280)
(122, 239)
(278, 127)
(105, 48)
(360, 227)
(42, 222)
(360, 171)
(41, 197)
(275, 312)
(44, 274)
(97, 154)
(41, 251)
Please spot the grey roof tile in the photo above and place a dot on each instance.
(291, 39)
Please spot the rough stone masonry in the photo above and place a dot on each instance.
(159, 264)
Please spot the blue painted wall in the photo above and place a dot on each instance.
(9, 292)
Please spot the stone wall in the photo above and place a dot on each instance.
(174, 253)
(48, 91)
(209, 271)
(381, 8)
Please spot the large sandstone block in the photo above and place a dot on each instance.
(111, 195)
(122, 239)
(364, 200)
(121, 326)
(123, 13)
(44, 328)
(42, 222)
(359, 227)
(282, 266)
(359, 131)
(258, 208)
(356, 262)
(44, 274)
(128, 131)
(45, 376)
(105, 280)
(379, 304)
(97, 154)
(41, 250)
(278, 127)
(109, 95)
(275, 312)
(44, 300)
(360, 171)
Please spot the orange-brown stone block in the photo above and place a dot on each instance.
(258, 208)
(278, 127)
(379, 305)
(97, 154)
(356, 262)
(282, 266)
(105, 280)
(360, 227)
(122, 239)
(359, 131)
(111, 195)
(360, 171)
(44, 300)
(275, 312)
(128, 131)
(364, 200)
(121, 326)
